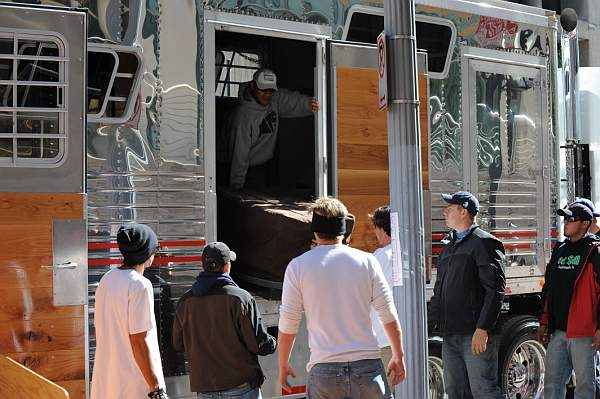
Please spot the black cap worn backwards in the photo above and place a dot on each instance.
(464, 199)
(216, 255)
(137, 243)
(576, 211)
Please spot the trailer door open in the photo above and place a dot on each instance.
(358, 137)
(508, 150)
(43, 277)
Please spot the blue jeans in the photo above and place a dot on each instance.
(562, 357)
(467, 375)
(245, 392)
(362, 379)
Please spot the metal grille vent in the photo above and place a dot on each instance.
(33, 98)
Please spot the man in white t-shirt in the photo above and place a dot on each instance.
(127, 363)
(381, 222)
(335, 286)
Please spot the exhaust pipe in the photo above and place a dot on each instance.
(570, 67)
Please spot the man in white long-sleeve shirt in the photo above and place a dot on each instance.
(335, 286)
(381, 223)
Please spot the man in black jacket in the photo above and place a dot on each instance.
(570, 321)
(466, 302)
(218, 324)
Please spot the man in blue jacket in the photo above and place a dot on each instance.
(466, 302)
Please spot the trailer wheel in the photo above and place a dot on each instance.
(436, 369)
(521, 357)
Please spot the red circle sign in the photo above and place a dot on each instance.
(381, 56)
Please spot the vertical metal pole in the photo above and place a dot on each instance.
(406, 191)
(570, 69)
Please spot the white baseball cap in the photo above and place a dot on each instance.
(265, 79)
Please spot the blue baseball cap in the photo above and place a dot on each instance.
(464, 199)
(587, 203)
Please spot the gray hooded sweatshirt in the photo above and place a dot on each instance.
(250, 133)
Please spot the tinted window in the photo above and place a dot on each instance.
(433, 38)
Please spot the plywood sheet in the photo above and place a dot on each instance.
(48, 339)
(18, 382)
(58, 365)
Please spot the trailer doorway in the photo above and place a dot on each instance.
(251, 220)
(290, 172)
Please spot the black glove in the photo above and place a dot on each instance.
(158, 394)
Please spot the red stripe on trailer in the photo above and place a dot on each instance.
(295, 390)
(518, 246)
(516, 234)
(117, 261)
(108, 245)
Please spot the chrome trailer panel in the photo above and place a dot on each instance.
(151, 169)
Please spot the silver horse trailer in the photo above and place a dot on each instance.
(161, 76)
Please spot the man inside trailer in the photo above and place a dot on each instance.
(249, 136)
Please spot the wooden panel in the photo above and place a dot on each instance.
(75, 388)
(17, 382)
(50, 340)
(362, 156)
(365, 182)
(41, 335)
(25, 239)
(363, 179)
(27, 271)
(363, 234)
(59, 365)
(18, 207)
(32, 304)
(359, 120)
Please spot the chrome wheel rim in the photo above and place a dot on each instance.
(436, 378)
(524, 375)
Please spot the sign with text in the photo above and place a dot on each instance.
(382, 71)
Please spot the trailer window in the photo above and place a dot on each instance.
(234, 68)
(434, 35)
(33, 92)
(113, 82)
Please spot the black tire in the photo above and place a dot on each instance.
(521, 363)
(435, 369)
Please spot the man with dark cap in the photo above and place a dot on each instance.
(127, 363)
(336, 286)
(219, 326)
(249, 136)
(570, 320)
(595, 226)
(466, 302)
(595, 230)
